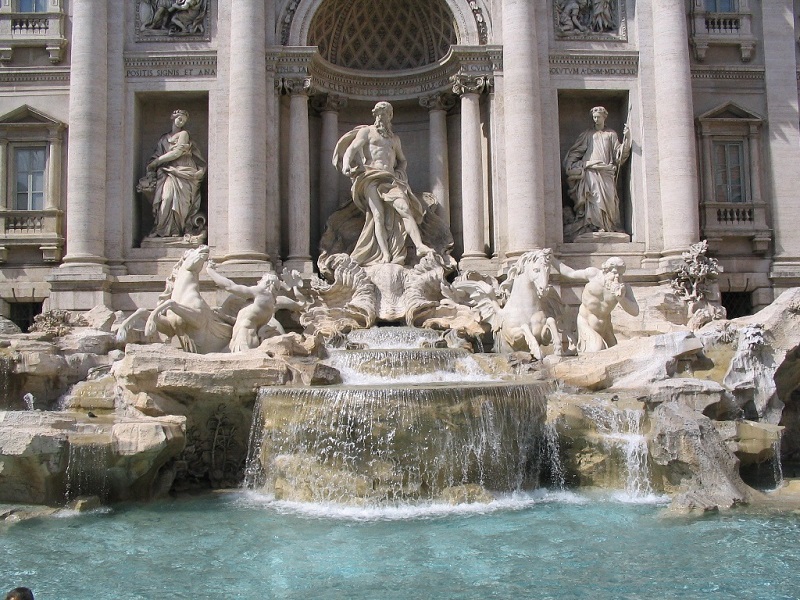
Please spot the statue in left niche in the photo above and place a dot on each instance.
(172, 184)
(173, 17)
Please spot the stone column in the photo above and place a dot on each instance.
(783, 139)
(675, 123)
(273, 139)
(247, 148)
(523, 104)
(439, 169)
(88, 114)
(299, 176)
(4, 199)
(328, 106)
(470, 89)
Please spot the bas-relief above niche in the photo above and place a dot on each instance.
(590, 20)
(172, 20)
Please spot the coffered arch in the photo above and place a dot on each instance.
(471, 22)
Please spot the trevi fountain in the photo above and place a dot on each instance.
(392, 427)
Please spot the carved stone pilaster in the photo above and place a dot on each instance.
(439, 101)
(328, 103)
(470, 84)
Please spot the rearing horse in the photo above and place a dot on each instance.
(527, 320)
(181, 311)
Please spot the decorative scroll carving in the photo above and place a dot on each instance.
(438, 101)
(296, 85)
(328, 102)
(470, 84)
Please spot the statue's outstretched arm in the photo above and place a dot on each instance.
(242, 291)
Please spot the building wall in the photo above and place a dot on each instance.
(622, 70)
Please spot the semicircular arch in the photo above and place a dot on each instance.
(296, 19)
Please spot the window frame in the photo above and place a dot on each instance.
(44, 9)
(716, 8)
(741, 144)
(13, 191)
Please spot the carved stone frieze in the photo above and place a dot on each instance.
(590, 20)
(178, 21)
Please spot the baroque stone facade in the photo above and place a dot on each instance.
(488, 97)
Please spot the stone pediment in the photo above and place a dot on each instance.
(26, 115)
(730, 111)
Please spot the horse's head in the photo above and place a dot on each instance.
(536, 266)
(195, 258)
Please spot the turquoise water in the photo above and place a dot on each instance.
(559, 546)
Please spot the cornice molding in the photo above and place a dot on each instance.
(474, 61)
(35, 75)
(728, 72)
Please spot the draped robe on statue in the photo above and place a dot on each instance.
(391, 187)
(177, 195)
(594, 192)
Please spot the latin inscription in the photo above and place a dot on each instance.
(613, 71)
(172, 72)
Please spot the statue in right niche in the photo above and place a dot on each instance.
(592, 166)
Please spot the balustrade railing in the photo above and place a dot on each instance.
(46, 30)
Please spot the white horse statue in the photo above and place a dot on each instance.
(522, 311)
(182, 312)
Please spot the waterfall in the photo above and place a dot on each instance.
(417, 365)
(552, 456)
(621, 431)
(86, 473)
(387, 444)
(395, 338)
(777, 467)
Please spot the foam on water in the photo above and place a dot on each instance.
(408, 511)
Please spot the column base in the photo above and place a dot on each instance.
(303, 265)
(479, 263)
(785, 273)
(79, 286)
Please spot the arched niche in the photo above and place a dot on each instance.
(471, 20)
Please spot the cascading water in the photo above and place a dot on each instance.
(621, 431)
(416, 365)
(375, 440)
(86, 473)
(777, 467)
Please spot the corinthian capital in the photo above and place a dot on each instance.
(296, 85)
(328, 102)
(438, 101)
(464, 83)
